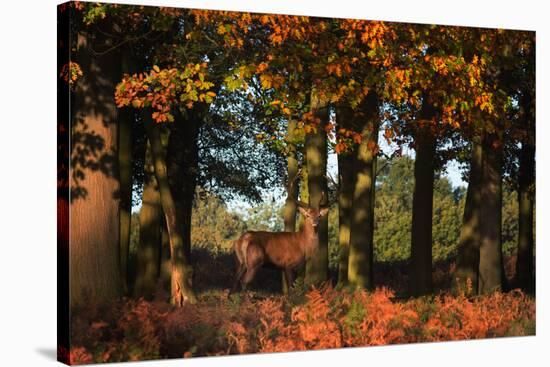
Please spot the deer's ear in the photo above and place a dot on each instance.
(323, 212)
(303, 211)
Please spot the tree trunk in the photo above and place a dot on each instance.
(165, 261)
(362, 220)
(125, 123)
(304, 197)
(63, 188)
(316, 159)
(94, 257)
(421, 230)
(491, 275)
(290, 203)
(467, 268)
(345, 198)
(182, 165)
(182, 272)
(526, 198)
(150, 220)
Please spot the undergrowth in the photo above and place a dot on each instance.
(220, 324)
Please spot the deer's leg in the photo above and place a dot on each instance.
(249, 275)
(254, 260)
(289, 275)
(241, 268)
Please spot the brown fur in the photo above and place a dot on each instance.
(285, 250)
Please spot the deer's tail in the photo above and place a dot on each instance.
(240, 247)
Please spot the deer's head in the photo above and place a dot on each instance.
(311, 214)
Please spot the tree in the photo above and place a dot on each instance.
(182, 164)
(345, 196)
(63, 182)
(526, 174)
(125, 122)
(501, 77)
(490, 252)
(150, 224)
(182, 273)
(422, 213)
(292, 190)
(214, 227)
(316, 158)
(361, 251)
(94, 251)
(225, 83)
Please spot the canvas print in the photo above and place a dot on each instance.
(236, 183)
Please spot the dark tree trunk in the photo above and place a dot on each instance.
(345, 198)
(491, 275)
(304, 197)
(526, 197)
(125, 124)
(361, 254)
(465, 277)
(94, 254)
(165, 261)
(182, 272)
(150, 220)
(421, 231)
(290, 203)
(182, 165)
(316, 158)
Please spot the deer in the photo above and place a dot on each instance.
(284, 250)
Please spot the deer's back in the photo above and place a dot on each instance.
(282, 249)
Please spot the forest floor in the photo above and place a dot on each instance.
(263, 320)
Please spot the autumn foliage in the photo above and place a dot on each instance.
(217, 79)
(317, 319)
(160, 89)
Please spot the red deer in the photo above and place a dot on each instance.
(285, 250)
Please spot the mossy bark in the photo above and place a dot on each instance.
(361, 254)
(290, 203)
(345, 198)
(316, 159)
(304, 197)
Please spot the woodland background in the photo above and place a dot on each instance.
(242, 100)
(482, 349)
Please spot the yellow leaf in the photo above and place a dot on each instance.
(156, 68)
